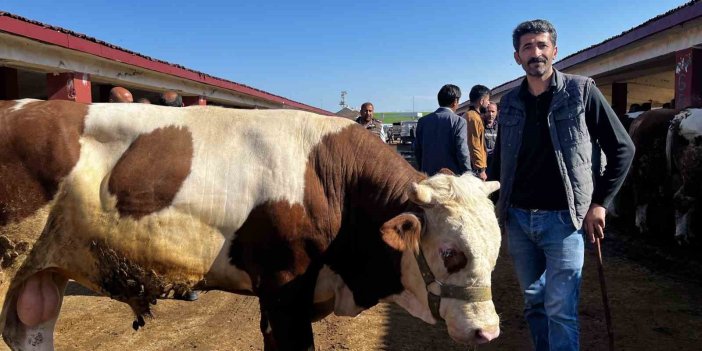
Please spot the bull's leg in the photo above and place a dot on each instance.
(268, 340)
(289, 326)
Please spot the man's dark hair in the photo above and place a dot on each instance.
(170, 98)
(477, 92)
(533, 27)
(448, 94)
(366, 104)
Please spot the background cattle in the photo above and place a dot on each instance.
(684, 156)
(311, 214)
(660, 195)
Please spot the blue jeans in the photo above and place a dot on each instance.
(548, 251)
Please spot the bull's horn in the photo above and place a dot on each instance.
(421, 194)
(491, 186)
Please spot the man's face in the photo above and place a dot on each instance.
(536, 54)
(491, 113)
(367, 112)
(485, 101)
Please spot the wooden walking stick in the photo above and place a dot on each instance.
(605, 300)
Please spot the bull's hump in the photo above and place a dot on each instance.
(39, 146)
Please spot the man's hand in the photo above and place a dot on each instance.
(482, 175)
(594, 222)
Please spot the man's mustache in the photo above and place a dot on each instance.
(540, 59)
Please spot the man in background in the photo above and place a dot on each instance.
(479, 99)
(170, 98)
(366, 120)
(490, 123)
(120, 95)
(441, 136)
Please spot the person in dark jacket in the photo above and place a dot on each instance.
(490, 121)
(554, 128)
(441, 136)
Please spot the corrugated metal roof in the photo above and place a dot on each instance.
(671, 18)
(60, 36)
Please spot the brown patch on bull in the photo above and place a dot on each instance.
(356, 183)
(149, 174)
(39, 145)
(276, 244)
(454, 260)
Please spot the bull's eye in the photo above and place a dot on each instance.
(454, 260)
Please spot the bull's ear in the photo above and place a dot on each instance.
(402, 232)
(421, 195)
(491, 187)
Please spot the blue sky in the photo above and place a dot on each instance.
(389, 52)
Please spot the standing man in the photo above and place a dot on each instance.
(366, 119)
(120, 95)
(479, 99)
(552, 189)
(490, 120)
(170, 98)
(441, 136)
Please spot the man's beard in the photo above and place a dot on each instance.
(537, 71)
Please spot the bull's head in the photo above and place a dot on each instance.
(450, 251)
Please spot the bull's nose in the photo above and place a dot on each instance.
(483, 336)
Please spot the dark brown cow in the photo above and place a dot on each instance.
(311, 214)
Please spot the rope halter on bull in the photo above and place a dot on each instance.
(465, 293)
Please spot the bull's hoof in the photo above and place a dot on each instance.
(189, 296)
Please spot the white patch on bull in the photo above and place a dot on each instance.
(38, 338)
(180, 247)
(215, 198)
(459, 215)
(690, 123)
(682, 227)
(242, 158)
(414, 298)
(330, 285)
(640, 219)
(21, 103)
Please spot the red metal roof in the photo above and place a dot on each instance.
(672, 18)
(80, 42)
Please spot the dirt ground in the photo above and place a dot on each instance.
(656, 305)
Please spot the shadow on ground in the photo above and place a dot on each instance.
(75, 289)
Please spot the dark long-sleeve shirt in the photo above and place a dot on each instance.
(537, 168)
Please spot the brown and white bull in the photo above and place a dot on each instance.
(666, 173)
(684, 155)
(311, 214)
(649, 181)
